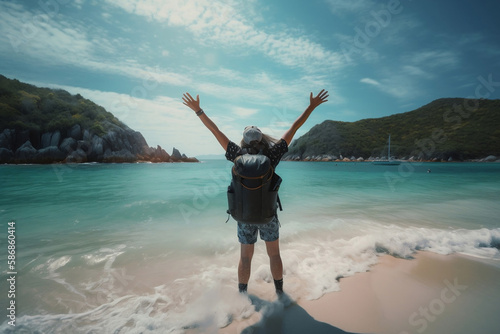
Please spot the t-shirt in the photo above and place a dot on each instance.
(274, 154)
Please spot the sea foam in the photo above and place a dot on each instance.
(205, 297)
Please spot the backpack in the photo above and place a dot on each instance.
(253, 193)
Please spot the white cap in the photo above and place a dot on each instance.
(252, 133)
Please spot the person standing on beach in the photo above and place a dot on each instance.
(254, 141)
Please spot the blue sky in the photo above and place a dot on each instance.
(252, 62)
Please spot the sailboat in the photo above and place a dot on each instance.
(389, 161)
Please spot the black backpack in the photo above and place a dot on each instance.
(253, 193)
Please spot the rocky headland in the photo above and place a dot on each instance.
(77, 145)
(42, 126)
(449, 129)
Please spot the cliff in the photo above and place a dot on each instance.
(41, 125)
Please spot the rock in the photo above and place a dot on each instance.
(86, 135)
(6, 155)
(68, 145)
(156, 155)
(118, 144)
(77, 156)
(25, 152)
(20, 137)
(75, 132)
(95, 151)
(55, 139)
(50, 139)
(119, 156)
(49, 155)
(83, 145)
(45, 141)
(490, 158)
(360, 159)
(176, 154)
(6, 138)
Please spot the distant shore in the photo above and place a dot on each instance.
(327, 158)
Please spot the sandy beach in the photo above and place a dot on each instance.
(430, 293)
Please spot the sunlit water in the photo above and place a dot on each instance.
(145, 247)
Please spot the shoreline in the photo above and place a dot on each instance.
(483, 160)
(430, 293)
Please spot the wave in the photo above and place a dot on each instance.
(206, 298)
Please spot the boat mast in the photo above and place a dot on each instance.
(389, 149)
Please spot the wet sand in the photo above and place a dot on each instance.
(430, 293)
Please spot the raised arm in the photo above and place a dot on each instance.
(195, 106)
(314, 102)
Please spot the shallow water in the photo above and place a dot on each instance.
(144, 247)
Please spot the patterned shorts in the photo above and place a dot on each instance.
(247, 233)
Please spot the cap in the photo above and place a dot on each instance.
(252, 133)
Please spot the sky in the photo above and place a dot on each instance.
(252, 62)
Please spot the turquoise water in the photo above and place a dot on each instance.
(145, 247)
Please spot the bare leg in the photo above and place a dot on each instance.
(273, 250)
(245, 264)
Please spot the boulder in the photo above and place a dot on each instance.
(45, 141)
(176, 154)
(49, 155)
(6, 138)
(50, 139)
(75, 132)
(25, 153)
(20, 137)
(68, 145)
(156, 155)
(55, 139)
(77, 156)
(86, 135)
(490, 158)
(119, 156)
(6, 155)
(96, 148)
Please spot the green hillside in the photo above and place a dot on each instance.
(27, 107)
(42, 125)
(453, 127)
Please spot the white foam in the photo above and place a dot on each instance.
(205, 297)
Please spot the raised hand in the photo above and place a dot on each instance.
(189, 101)
(318, 99)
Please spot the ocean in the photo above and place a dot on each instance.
(145, 248)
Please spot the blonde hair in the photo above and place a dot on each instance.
(263, 145)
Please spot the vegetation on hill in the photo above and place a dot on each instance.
(42, 125)
(453, 127)
(27, 107)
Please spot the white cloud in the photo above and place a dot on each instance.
(397, 84)
(353, 6)
(64, 42)
(244, 112)
(222, 23)
(162, 121)
(435, 59)
(416, 71)
(370, 81)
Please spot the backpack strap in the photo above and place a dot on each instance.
(255, 178)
